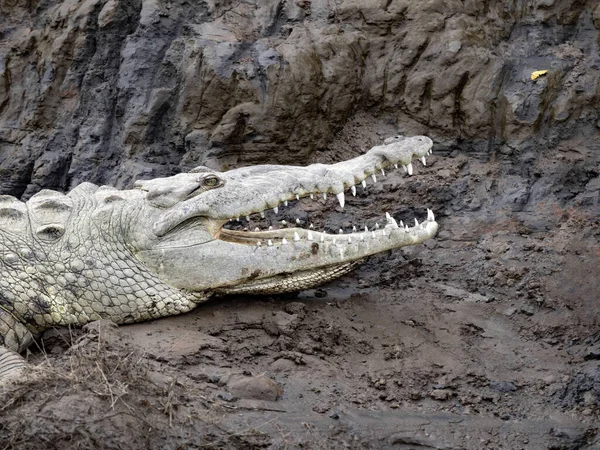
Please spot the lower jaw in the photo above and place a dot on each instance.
(270, 237)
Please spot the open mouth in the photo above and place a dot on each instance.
(274, 210)
(294, 228)
(307, 218)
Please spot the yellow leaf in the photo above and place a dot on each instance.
(538, 73)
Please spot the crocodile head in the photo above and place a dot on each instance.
(182, 235)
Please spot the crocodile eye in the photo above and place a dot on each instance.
(211, 181)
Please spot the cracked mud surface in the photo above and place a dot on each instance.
(485, 337)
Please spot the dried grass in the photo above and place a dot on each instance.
(102, 394)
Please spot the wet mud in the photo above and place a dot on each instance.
(485, 337)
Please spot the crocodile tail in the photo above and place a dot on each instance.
(14, 337)
(11, 364)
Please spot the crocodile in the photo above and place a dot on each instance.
(169, 244)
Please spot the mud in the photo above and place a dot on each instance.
(486, 337)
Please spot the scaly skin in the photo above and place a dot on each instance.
(87, 274)
(160, 249)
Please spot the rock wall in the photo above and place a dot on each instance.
(111, 90)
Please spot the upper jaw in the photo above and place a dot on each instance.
(260, 188)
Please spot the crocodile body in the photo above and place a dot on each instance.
(163, 247)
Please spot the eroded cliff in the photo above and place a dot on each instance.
(107, 91)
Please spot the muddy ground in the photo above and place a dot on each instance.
(485, 337)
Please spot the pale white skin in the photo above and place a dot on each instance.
(195, 259)
(160, 249)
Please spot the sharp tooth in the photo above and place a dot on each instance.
(297, 197)
(362, 236)
(409, 167)
(296, 236)
(396, 166)
(283, 223)
(431, 151)
(373, 234)
(354, 229)
(387, 216)
(322, 238)
(324, 195)
(341, 198)
(285, 203)
(257, 229)
(416, 222)
(430, 215)
(270, 243)
(311, 226)
(309, 235)
(353, 189)
(394, 224)
(423, 160)
(270, 227)
(364, 184)
(374, 178)
(276, 210)
(312, 196)
(284, 241)
(248, 218)
(341, 231)
(382, 173)
(237, 218)
(262, 214)
(402, 224)
(406, 228)
(334, 240)
(377, 225)
(349, 240)
(405, 168)
(297, 221)
(366, 229)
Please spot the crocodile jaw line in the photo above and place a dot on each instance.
(195, 252)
